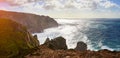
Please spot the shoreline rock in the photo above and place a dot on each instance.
(81, 46)
(56, 44)
(45, 51)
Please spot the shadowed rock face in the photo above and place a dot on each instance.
(56, 44)
(34, 23)
(81, 46)
(15, 40)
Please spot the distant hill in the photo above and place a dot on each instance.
(34, 23)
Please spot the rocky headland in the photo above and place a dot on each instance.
(34, 23)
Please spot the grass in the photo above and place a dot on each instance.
(14, 39)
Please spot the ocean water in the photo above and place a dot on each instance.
(96, 33)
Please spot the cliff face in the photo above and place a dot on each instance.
(15, 41)
(34, 23)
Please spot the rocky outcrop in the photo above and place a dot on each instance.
(15, 40)
(47, 40)
(81, 46)
(56, 44)
(34, 23)
(36, 41)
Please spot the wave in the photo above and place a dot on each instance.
(77, 30)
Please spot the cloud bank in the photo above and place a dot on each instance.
(65, 8)
(65, 4)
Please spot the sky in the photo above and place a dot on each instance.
(65, 8)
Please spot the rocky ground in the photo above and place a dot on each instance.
(45, 51)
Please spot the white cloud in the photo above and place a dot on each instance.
(66, 8)
(77, 4)
(66, 4)
(108, 4)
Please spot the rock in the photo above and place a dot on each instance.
(45, 53)
(81, 46)
(36, 40)
(34, 23)
(47, 40)
(15, 40)
(55, 51)
(56, 44)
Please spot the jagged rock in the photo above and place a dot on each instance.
(81, 46)
(36, 40)
(56, 44)
(15, 40)
(34, 23)
(47, 40)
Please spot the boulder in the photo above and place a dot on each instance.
(81, 46)
(15, 40)
(34, 23)
(56, 44)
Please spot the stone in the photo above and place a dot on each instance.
(47, 40)
(56, 44)
(81, 46)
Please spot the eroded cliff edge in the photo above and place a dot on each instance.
(34, 23)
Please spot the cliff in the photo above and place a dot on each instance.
(34, 23)
(15, 40)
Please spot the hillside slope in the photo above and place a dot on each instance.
(15, 40)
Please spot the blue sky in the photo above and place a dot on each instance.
(116, 1)
(66, 8)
